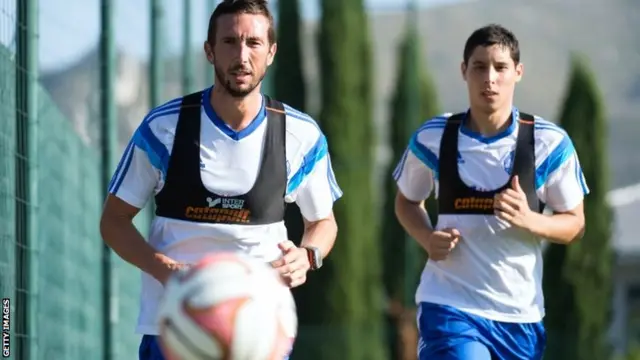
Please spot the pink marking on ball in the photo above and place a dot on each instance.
(218, 320)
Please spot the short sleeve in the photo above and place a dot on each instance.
(414, 178)
(135, 178)
(566, 187)
(315, 197)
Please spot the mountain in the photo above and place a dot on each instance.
(549, 31)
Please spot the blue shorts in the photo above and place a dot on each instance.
(150, 349)
(450, 334)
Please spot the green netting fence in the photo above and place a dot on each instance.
(51, 194)
(7, 162)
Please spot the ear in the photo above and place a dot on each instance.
(272, 53)
(208, 51)
(463, 70)
(519, 71)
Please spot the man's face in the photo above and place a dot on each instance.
(241, 53)
(491, 77)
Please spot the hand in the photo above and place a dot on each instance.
(170, 269)
(293, 265)
(441, 243)
(512, 206)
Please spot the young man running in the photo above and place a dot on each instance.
(480, 294)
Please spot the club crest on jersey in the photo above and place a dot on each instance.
(507, 163)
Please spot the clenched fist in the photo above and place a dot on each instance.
(441, 243)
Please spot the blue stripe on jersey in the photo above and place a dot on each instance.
(146, 141)
(420, 151)
(580, 175)
(425, 155)
(398, 171)
(315, 154)
(121, 170)
(336, 192)
(558, 156)
(299, 115)
(435, 123)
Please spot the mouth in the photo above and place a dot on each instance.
(241, 73)
(489, 93)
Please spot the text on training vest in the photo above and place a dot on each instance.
(473, 203)
(217, 214)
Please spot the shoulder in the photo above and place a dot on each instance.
(302, 129)
(162, 118)
(157, 129)
(430, 132)
(549, 135)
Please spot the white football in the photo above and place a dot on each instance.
(227, 307)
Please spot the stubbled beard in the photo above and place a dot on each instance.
(236, 93)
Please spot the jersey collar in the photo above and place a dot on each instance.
(464, 129)
(220, 124)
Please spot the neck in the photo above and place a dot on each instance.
(238, 113)
(489, 124)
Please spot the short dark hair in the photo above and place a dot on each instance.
(490, 35)
(232, 7)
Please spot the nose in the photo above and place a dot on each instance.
(243, 52)
(491, 75)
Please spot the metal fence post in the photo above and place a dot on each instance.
(156, 69)
(27, 179)
(187, 63)
(109, 149)
(155, 61)
(413, 109)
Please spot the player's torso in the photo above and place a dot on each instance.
(495, 270)
(229, 167)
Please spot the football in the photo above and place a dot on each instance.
(227, 307)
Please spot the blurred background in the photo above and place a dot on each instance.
(78, 76)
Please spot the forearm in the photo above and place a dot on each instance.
(125, 240)
(557, 228)
(320, 234)
(414, 219)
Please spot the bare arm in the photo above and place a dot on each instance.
(559, 228)
(320, 234)
(118, 231)
(413, 218)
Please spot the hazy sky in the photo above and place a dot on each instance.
(67, 34)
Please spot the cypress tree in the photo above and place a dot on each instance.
(289, 84)
(347, 312)
(578, 277)
(289, 87)
(414, 101)
(288, 75)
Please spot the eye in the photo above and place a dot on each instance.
(253, 42)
